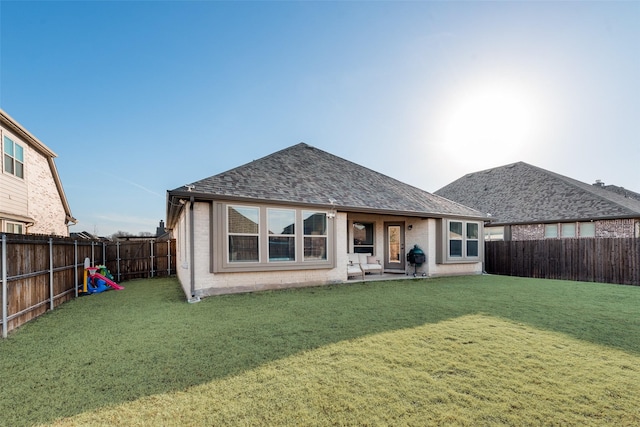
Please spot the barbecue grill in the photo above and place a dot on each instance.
(417, 257)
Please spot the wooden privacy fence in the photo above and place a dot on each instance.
(38, 273)
(609, 260)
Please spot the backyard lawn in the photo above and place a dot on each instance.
(481, 350)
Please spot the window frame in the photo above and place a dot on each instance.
(548, 228)
(307, 237)
(591, 224)
(494, 234)
(443, 252)
(12, 158)
(229, 234)
(219, 240)
(568, 230)
(13, 225)
(370, 248)
(280, 235)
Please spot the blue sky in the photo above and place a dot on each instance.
(138, 98)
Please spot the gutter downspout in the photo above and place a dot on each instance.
(192, 255)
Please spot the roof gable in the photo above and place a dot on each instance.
(522, 193)
(302, 174)
(41, 148)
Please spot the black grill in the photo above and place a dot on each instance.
(417, 257)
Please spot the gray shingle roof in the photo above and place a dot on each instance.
(302, 174)
(520, 193)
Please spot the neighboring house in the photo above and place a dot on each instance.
(32, 200)
(291, 218)
(529, 203)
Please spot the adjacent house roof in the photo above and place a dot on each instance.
(302, 174)
(40, 147)
(620, 190)
(520, 193)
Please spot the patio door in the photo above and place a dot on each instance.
(394, 259)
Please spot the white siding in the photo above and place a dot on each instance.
(13, 191)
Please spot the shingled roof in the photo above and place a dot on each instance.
(302, 174)
(520, 193)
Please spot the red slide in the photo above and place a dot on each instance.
(111, 283)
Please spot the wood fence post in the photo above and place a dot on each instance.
(168, 257)
(118, 259)
(51, 293)
(75, 266)
(4, 285)
(152, 271)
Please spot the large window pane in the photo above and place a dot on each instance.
(551, 230)
(587, 229)
(8, 164)
(315, 248)
(243, 220)
(243, 248)
(494, 233)
(363, 238)
(455, 230)
(569, 230)
(472, 248)
(8, 146)
(315, 223)
(19, 156)
(472, 230)
(282, 248)
(19, 170)
(455, 248)
(282, 221)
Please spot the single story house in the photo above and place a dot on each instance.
(32, 200)
(530, 203)
(291, 219)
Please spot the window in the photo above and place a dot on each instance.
(493, 233)
(550, 231)
(269, 238)
(12, 227)
(472, 240)
(459, 241)
(587, 229)
(243, 230)
(315, 235)
(13, 158)
(363, 238)
(568, 230)
(455, 239)
(282, 234)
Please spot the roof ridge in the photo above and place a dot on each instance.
(603, 193)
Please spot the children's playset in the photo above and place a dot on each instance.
(97, 279)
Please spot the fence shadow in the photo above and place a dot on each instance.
(38, 273)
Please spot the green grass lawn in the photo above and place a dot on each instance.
(479, 350)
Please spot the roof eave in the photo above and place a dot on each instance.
(174, 206)
(560, 220)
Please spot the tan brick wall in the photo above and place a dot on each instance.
(527, 232)
(44, 203)
(422, 233)
(617, 228)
